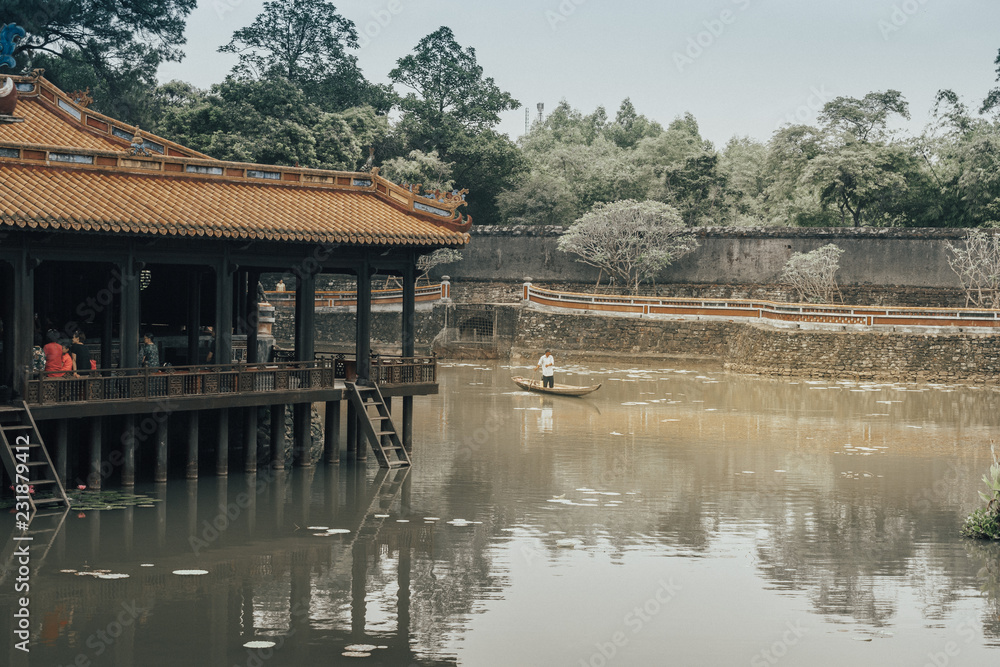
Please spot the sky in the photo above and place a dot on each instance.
(742, 67)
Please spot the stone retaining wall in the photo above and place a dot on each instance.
(522, 333)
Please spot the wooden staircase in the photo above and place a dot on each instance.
(378, 426)
(26, 459)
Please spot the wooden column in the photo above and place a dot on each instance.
(250, 439)
(223, 353)
(94, 478)
(193, 316)
(252, 316)
(22, 322)
(162, 431)
(128, 451)
(363, 345)
(408, 346)
(331, 433)
(278, 436)
(305, 350)
(108, 333)
(222, 444)
(240, 296)
(191, 471)
(128, 334)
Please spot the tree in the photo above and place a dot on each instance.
(269, 122)
(419, 168)
(425, 263)
(813, 274)
(114, 47)
(977, 266)
(449, 89)
(865, 119)
(863, 181)
(633, 241)
(305, 42)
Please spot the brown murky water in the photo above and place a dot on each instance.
(675, 517)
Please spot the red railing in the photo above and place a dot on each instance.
(774, 312)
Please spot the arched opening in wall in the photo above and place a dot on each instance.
(476, 328)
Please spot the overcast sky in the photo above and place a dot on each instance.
(742, 67)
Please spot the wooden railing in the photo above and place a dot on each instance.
(177, 381)
(384, 369)
(330, 299)
(774, 312)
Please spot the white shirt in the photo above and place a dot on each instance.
(548, 365)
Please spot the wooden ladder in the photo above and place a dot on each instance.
(26, 459)
(378, 427)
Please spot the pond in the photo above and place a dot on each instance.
(676, 516)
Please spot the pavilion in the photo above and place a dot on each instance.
(116, 231)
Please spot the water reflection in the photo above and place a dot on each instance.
(757, 503)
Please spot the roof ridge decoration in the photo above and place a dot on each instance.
(8, 92)
(151, 156)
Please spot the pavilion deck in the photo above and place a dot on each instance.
(213, 386)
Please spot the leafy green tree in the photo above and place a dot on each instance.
(862, 181)
(743, 166)
(449, 90)
(113, 47)
(865, 120)
(629, 128)
(268, 122)
(632, 241)
(306, 42)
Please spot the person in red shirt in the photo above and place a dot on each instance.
(53, 354)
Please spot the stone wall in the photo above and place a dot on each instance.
(336, 327)
(726, 256)
(877, 356)
(522, 333)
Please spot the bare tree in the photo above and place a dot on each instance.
(813, 274)
(632, 241)
(440, 256)
(978, 268)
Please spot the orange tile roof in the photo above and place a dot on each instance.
(56, 174)
(53, 118)
(48, 197)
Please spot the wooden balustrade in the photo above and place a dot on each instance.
(122, 384)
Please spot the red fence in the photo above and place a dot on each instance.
(774, 312)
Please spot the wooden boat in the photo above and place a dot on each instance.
(559, 389)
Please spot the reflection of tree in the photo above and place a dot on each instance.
(988, 555)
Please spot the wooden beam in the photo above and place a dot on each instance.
(250, 439)
(128, 451)
(22, 337)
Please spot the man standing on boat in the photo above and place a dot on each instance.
(548, 366)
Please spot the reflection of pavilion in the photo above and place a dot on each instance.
(312, 595)
(119, 233)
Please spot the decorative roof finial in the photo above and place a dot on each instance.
(8, 34)
(138, 146)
